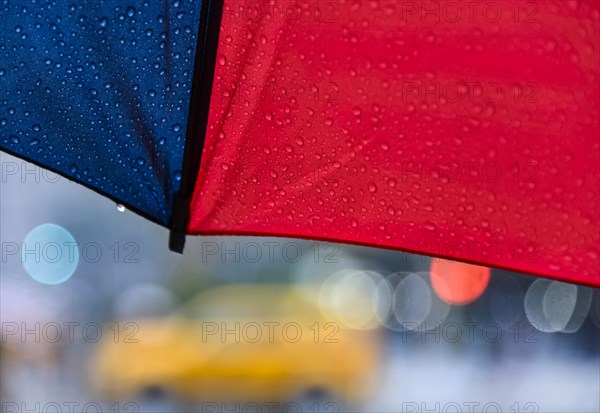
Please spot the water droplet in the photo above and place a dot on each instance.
(550, 45)
(430, 226)
(120, 208)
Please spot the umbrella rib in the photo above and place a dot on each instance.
(200, 95)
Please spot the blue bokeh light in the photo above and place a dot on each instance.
(50, 254)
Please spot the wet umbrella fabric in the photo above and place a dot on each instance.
(456, 133)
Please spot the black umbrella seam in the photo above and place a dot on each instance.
(200, 96)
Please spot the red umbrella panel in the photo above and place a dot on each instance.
(459, 131)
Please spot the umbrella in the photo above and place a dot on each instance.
(461, 130)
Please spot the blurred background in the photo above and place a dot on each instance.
(98, 315)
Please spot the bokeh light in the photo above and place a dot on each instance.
(412, 301)
(414, 306)
(50, 254)
(553, 306)
(354, 298)
(458, 283)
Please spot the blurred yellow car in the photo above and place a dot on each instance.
(243, 343)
